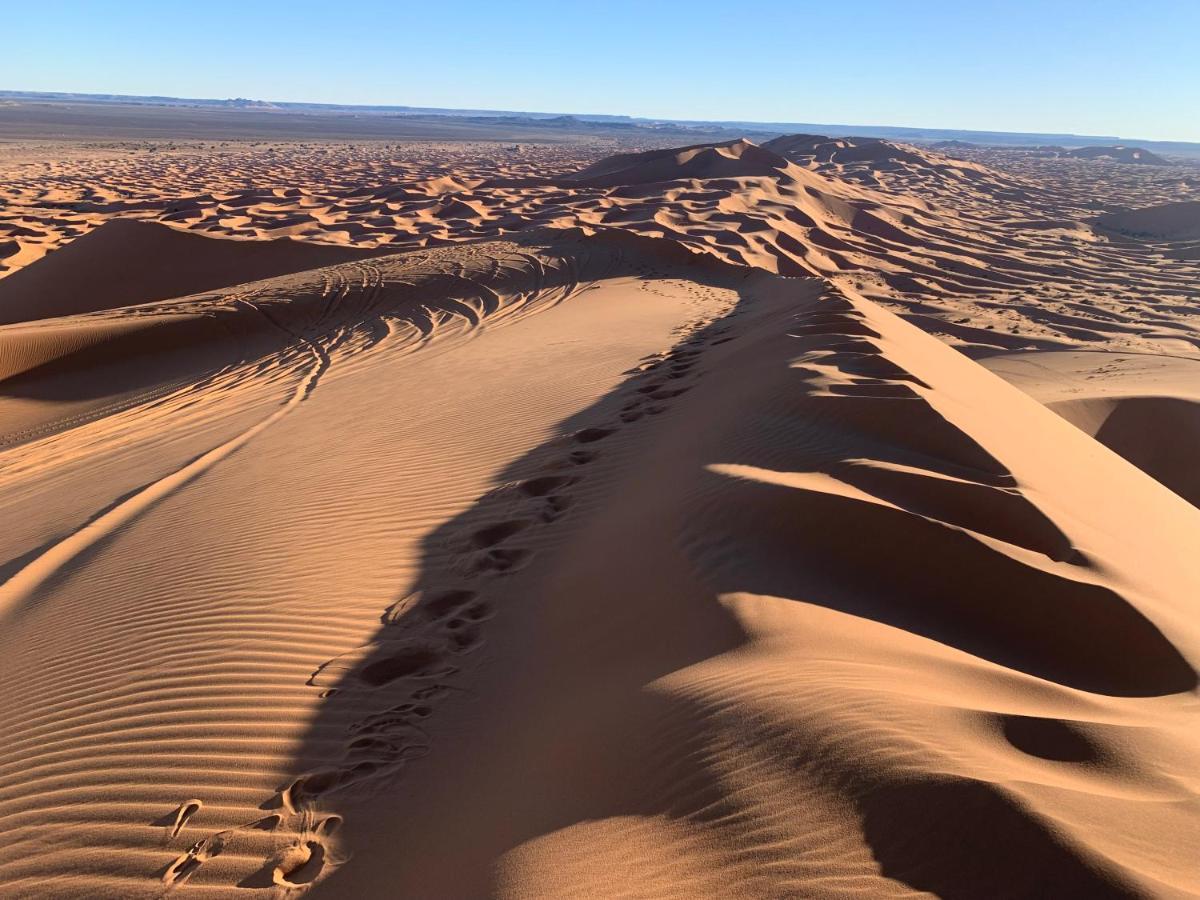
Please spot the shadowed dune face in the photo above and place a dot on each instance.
(1144, 408)
(1009, 857)
(126, 262)
(1170, 221)
(603, 559)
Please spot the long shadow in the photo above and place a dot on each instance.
(384, 701)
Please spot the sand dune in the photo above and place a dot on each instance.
(1146, 408)
(730, 160)
(814, 518)
(1171, 221)
(1118, 154)
(125, 262)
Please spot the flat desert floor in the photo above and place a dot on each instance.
(807, 518)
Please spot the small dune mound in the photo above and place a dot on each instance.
(1170, 221)
(733, 159)
(126, 262)
(865, 159)
(1118, 154)
(788, 144)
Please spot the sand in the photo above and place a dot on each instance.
(814, 518)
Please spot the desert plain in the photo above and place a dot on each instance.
(800, 516)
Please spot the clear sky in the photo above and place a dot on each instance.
(1114, 67)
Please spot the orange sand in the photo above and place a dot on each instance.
(814, 519)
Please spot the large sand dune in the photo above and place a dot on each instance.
(125, 262)
(814, 519)
(1170, 221)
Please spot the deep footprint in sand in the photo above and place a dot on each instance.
(177, 820)
(300, 864)
(545, 484)
(406, 662)
(185, 866)
(553, 508)
(496, 533)
(441, 604)
(591, 435)
(500, 560)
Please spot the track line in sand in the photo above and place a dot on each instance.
(22, 584)
(54, 558)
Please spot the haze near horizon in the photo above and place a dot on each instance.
(1102, 68)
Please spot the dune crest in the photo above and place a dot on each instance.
(1145, 408)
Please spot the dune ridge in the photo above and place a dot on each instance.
(1145, 408)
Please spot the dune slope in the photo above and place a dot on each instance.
(1145, 408)
(1171, 221)
(125, 262)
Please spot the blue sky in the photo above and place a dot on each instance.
(1097, 67)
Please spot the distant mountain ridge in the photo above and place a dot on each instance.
(589, 121)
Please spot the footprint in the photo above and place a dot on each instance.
(392, 720)
(582, 457)
(465, 637)
(493, 534)
(406, 662)
(185, 866)
(179, 818)
(590, 435)
(380, 749)
(299, 864)
(328, 825)
(665, 394)
(501, 559)
(479, 611)
(553, 507)
(394, 613)
(309, 787)
(544, 484)
(432, 692)
(445, 603)
(266, 823)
